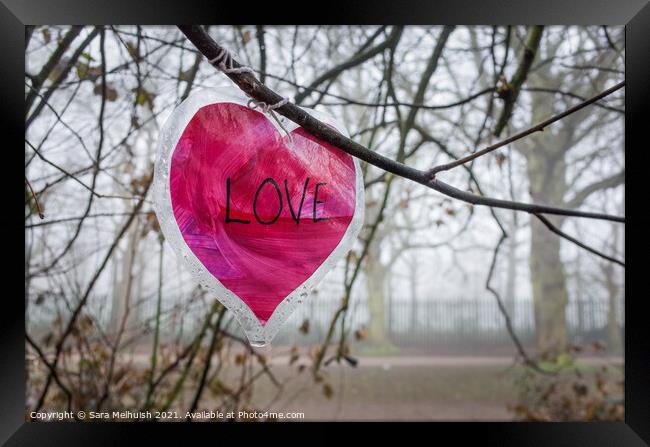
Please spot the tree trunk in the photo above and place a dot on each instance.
(511, 273)
(580, 295)
(614, 336)
(547, 176)
(613, 331)
(549, 291)
(375, 287)
(413, 282)
(547, 171)
(122, 298)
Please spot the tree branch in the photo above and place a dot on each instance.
(46, 70)
(512, 89)
(426, 76)
(262, 46)
(253, 88)
(609, 182)
(355, 60)
(560, 233)
(537, 128)
(525, 358)
(216, 331)
(61, 77)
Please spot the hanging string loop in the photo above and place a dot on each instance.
(224, 62)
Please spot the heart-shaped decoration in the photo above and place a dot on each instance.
(259, 211)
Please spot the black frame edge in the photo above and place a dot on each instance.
(634, 13)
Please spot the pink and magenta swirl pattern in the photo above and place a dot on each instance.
(261, 262)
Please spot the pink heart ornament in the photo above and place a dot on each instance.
(258, 216)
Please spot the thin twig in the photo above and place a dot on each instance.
(216, 332)
(559, 232)
(38, 206)
(536, 128)
(51, 368)
(502, 308)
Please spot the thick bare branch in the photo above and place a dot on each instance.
(253, 88)
(510, 91)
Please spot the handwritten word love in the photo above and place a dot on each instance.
(280, 205)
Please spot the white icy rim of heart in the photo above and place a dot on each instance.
(171, 132)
